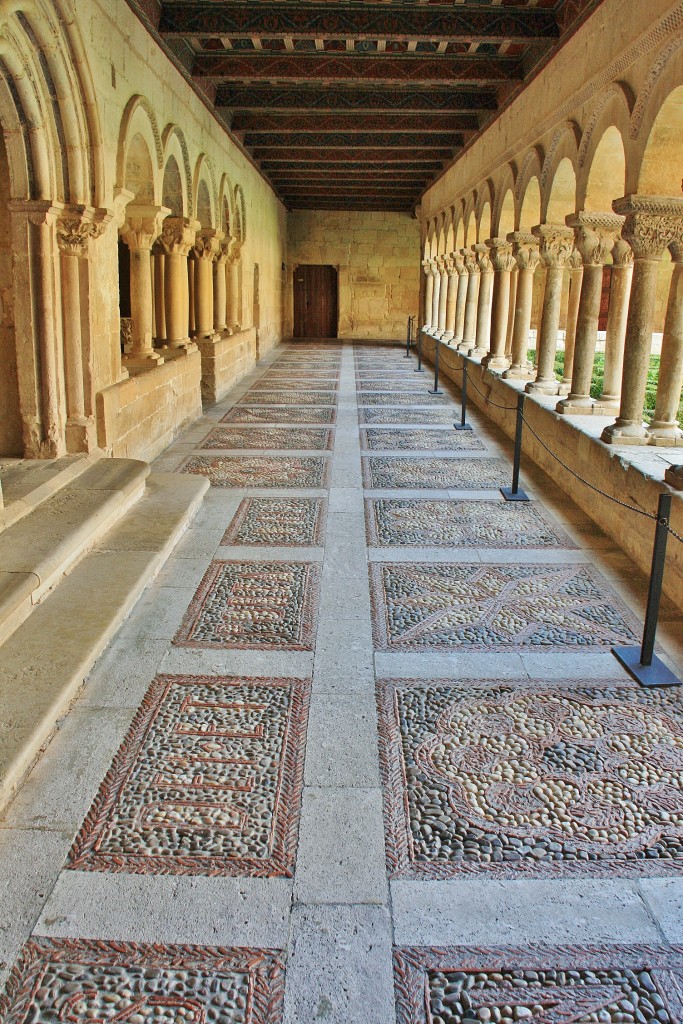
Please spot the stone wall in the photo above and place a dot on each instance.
(377, 258)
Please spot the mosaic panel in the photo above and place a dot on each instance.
(279, 414)
(383, 384)
(285, 522)
(327, 378)
(384, 440)
(464, 524)
(434, 472)
(481, 607)
(77, 981)
(254, 606)
(565, 985)
(407, 416)
(282, 438)
(287, 385)
(260, 470)
(287, 397)
(419, 398)
(507, 779)
(207, 782)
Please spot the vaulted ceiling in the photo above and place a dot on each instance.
(358, 104)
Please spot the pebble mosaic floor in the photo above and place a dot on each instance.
(317, 780)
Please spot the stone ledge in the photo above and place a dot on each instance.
(225, 360)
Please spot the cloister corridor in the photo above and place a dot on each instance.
(361, 752)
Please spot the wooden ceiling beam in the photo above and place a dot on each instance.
(347, 140)
(384, 156)
(233, 97)
(360, 121)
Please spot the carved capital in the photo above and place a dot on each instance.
(595, 235)
(483, 258)
(555, 244)
(653, 223)
(676, 250)
(622, 253)
(575, 261)
(458, 263)
(441, 263)
(207, 245)
(178, 235)
(524, 249)
(434, 268)
(39, 212)
(426, 266)
(142, 225)
(450, 265)
(234, 251)
(470, 258)
(501, 255)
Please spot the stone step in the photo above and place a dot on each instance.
(44, 663)
(38, 550)
(26, 483)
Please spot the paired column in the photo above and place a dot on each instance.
(232, 278)
(461, 296)
(555, 247)
(653, 224)
(178, 236)
(483, 334)
(429, 294)
(525, 251)
(139, 231)
(451, 298)
(575, 265)
(595, 235)
(471, 300)
(620, 290)
(443, 296)
(664, 428)
(436, 294)
(220, 292)
(205, 250)
(503, 263)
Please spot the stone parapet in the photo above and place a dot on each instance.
(225, 361)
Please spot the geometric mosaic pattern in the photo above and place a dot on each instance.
(481, 607)
(287, 385)
(96, 982)
(287, 397)
(207, 782)
(279, 414)
(380, 384)
(285, 522)
(541, 984)
(253, 606)
(460, 524)
(434, 472)
(399, 398)
(405, 416)
(508, 779)
(260, 470)
(276, 437)
(381, 439)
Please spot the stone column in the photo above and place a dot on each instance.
(220, 301)
(429, 294)
(653, 223)
(503, 262)
(159, 295)
(139, 231)
(443, 296)
(664, 429)
(514, 281)
(595, 235)
(469, 330)
(177, 238)
(575, 265)
(620, 290)
(483, 334)
(75, 227)
(206, 248)
(436, 295)
(556, 244)
(525, 251)
(233, 287)
(451, 299)
(461, 296)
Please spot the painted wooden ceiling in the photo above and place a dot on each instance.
(358, 104)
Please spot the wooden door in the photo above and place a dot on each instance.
(315, 302)
(604, 298)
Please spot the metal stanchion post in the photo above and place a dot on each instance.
(463, 424)
(514, 493)
(435, 390)
(419, 352)
(641, 662)
(408, 334)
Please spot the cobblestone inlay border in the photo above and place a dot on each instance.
(287, 397)
(260, 470)
(399, 398)
(517, 779)
(545, 984)
(455, 523)
(383, 384)
(287, 385)
(281, 522)
(277, 438)
(79, 980)
(384, 439)
(496, 607)
(388, 472)
(405, 417)
(253, 606)
(279, 414)
(207, 781)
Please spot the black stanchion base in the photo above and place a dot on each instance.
(517, 495)
(461, 426)
(418, 370)
(652, 676)
(434, 391)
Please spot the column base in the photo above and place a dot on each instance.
(665, 435)
(447, 338)
(182, 345)
(465, 346)
(142, 360)
(606, 407)
(625, 433)
(575, 406)
(518, 373)
(542, 387)
(564, 387)
(478, 353)
(673, 476)
(496, 363)
(81, 434)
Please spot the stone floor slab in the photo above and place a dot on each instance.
(259, 470)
